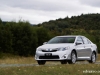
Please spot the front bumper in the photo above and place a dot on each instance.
(59, 55)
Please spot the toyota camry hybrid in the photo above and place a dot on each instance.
(65, 49)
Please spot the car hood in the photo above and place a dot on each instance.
(55, 45)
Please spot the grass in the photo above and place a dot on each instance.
(18, 60)
(51, 70)
(13, 59)
(72, 69)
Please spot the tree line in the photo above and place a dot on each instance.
(21, 38)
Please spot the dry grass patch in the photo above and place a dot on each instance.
(18, 60)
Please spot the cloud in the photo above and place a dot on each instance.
(44, 5)
(93, 3)
(38, 11)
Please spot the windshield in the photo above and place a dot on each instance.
(61, 40)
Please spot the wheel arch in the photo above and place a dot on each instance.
(95, 53)
(75, 52)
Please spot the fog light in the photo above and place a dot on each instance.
(64, 56)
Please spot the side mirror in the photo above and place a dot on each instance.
(78, 43)
(44, 43)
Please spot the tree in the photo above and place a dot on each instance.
(43, 35)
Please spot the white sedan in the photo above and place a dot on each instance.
(67, 49)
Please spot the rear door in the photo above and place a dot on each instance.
(87, 46)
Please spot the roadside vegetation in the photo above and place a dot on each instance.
(50, 68)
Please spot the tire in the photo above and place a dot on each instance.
(41, 62)
(93, 58)
(73, 58)
(63, 61)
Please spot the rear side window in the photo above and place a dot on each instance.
(88, 41)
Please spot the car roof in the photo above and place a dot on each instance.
(69, 36)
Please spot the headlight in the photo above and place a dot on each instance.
(63, 48)
(38, 49)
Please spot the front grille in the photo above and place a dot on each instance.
(49, 51)
(49, 57)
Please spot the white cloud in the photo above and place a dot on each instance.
(92, 3)
(38, 11)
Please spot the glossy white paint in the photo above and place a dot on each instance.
(83, 50)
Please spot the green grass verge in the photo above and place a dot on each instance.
(76, 69)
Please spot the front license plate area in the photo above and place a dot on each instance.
(48, 54)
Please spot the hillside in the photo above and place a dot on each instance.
(86, 22)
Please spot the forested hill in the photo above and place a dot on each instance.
(84, 21)
(22, 38)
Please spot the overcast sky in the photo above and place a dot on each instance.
(38, 11)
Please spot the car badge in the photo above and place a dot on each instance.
(49, 49)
